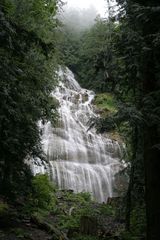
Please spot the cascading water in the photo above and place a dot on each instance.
(78, 158)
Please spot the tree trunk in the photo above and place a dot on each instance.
(152, 173)
(151, 154)
(88, 226)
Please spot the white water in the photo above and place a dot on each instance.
(78, 158)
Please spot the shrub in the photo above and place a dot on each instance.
(43, 194)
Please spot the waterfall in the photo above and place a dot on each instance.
(78, 157)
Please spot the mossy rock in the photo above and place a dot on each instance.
(105, 103)
(115, 136)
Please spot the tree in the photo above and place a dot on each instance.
(94, 47)
(142, 20)
(27, 65)
(136, 47)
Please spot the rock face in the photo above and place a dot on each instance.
(78, 158)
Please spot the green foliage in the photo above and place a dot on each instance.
(98, 54)
(43, 192)
(80, 205)
(95, 48)
(68, 46)
(27, 66)
(42, 197)
(36, 16)
(78, 197)
(107, 210)
(138, 224)
(139, 32)
(106, 103)
(138, 220)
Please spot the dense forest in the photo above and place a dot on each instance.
(117, 57)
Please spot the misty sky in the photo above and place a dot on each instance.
(100, 5)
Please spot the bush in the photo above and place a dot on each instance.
(81, 205)
(107, 210)
(42, 197)
(43, 192)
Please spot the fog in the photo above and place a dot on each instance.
(78, 19)
(100, 5)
